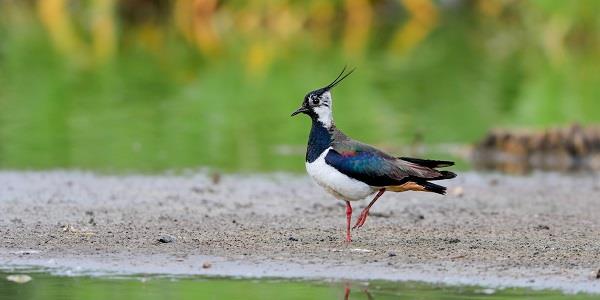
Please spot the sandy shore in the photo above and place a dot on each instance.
(541, 231)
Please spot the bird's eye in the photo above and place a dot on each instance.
(315, 99)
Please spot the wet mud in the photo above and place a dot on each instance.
(538, 231)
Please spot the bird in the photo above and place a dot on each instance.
(350, 170)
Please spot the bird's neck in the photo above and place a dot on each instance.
(324, 115)
(319, 140)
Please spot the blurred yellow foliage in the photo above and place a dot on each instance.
(284, 21)
(358, 23)
(205, 34)
(183, 19)
(553, 39)
(260, 31)
(322, 14)
(103, 29)
(423, 18)
(56, 19)
(208, 24)
(151, 37)
(490, 8)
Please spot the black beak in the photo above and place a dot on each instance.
(302, 109)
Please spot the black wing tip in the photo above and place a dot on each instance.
(447, 175)
(430, 163)
(445, 163)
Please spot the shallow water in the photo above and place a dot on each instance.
(47, 286)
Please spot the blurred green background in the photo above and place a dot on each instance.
(149, 85)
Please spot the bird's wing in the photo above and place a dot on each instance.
(373, 166)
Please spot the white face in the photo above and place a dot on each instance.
(322, 106)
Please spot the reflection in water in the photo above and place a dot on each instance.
(43, 286)
(347, 292)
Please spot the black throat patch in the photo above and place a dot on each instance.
(318, 141)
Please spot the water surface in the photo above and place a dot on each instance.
(47, 287)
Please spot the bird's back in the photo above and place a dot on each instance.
(377, 168)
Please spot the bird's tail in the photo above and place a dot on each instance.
(430, 166)
(432, 187)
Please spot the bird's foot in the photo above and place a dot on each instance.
(361, 219)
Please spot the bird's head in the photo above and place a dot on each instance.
(318, 104)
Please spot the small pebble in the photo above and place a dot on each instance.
(167, 239)
(215, 177)
(488, 291)
(595, 274)
(19, 278)
(458, 191)
(452, 240)
(360, 250)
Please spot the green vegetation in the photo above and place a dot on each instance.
(100, 87)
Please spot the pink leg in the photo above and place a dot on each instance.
(348, 220)
(365, 212)
(347, 291)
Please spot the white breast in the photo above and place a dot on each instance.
(335, 182)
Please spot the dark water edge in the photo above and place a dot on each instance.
(47, 286)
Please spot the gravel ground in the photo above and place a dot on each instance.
(540, 231)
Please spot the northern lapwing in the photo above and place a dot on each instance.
(350, 170)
